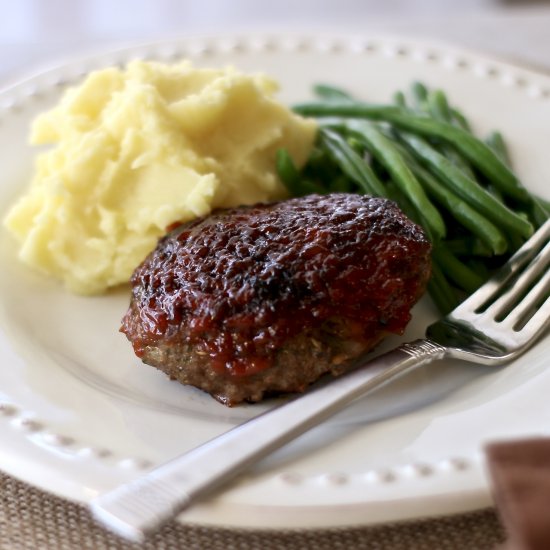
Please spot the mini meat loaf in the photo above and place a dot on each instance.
(260, 300)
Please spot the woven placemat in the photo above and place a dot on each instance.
(31, 519)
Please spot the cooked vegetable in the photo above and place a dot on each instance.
(419, 94)
(288, 172)
(490, 235)
(470, 192)
(352, 164)
(477, 152)
(438, 107)
(457, 271)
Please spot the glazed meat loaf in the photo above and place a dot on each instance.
(260, 300)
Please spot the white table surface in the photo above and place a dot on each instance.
(37, 33)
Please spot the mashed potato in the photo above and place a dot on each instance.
(136, 150)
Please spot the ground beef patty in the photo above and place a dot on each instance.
(265, 299)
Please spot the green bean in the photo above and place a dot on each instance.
(460, 120)
(441, 291)
(356, 145)
(473, 149)
(288, 173)
(465, 188)
(543, 202)
(477, 152)
(399, 99)
(395, 194)
(439, 109)
(419, 93)
(383, 149)
(455, 270)
(468, 246)
(331, 93)
(357, 110)
(321, 165)
(539, 211)
(490, 235)
(496, 142)
(479, 266)
(470, 218)
(351, 163)
(495, 192)
(296, 184)
(438, 106)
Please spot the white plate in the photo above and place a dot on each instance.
(80, 414)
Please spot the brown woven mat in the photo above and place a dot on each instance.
(33, 520)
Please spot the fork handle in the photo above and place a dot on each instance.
(142, 505)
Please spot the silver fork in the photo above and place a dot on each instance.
(495, 325)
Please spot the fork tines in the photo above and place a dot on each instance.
(520, 291)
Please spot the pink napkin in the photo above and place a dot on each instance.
(520, 475)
